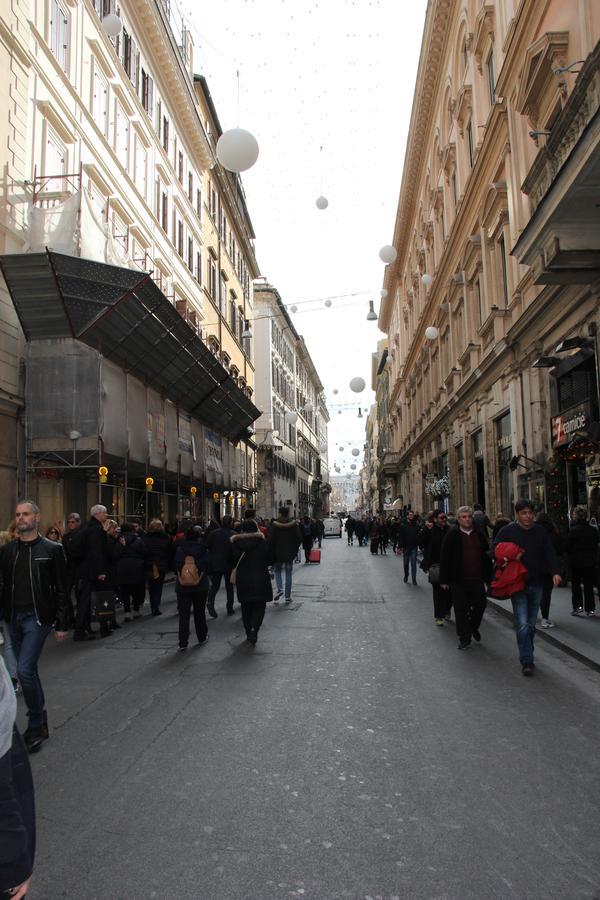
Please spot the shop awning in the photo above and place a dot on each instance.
(123, 315)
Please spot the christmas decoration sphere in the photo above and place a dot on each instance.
(357, 385)
(353, 467)
(383, 292)
(335, 391)
(431, 333)
(388, 254)
(112, 25)
(356, 452)
(328, 303)
(426, 279)
(321, 202)
(293, 309)
(237, 150)
(341, 449)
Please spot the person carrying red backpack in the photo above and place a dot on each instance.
(510, 574)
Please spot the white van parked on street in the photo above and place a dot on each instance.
(333, 527)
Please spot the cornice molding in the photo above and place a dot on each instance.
(431, 66)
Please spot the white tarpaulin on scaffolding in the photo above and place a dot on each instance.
(61, 228)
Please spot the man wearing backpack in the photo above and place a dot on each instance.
(191, 586)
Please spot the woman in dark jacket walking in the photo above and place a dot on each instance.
(131, 572)
(543, 519)
(430, 538)
(581, 548)
(191, 586)
(252, 558)
(158, 562)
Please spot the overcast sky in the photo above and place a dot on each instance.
(326, 88)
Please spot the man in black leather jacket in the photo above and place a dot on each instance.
(33, 592)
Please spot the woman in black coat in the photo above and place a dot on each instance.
(251, 556)
(430, 538)
(190, 554)
(158, 562)
(581, 548)
(131, 572)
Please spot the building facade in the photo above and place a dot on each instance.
(110, 158)
(492, 304)
(291, 433)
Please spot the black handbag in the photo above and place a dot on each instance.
(433, 573)
(103, 604)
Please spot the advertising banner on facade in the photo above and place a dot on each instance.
(213, 451)
(565, 426)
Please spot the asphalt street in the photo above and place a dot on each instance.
(354, 753)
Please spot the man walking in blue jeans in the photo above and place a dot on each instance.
(34, 598)
(284, 539)
(539, 559)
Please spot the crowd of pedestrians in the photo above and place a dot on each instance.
(467, 558)
(80, 577)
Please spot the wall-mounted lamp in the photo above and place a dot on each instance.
(560, 69)
(536, 134)
(246, 333)
(545, 362)
(371, 315)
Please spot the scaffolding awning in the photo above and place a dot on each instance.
(123, 315)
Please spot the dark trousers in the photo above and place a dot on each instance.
(83, 615)
(547, 585)
(196, 601)
(587, 576)
(215, 584)
(17, 814)
(441, 602)
(28, 640)
(469, 602)
(253, 615)
(155, 586)
(132, 593)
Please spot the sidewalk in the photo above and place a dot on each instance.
(579, 636)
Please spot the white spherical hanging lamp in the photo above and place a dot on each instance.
(383, 292)
(291, 417)
(328, 303)
(388, 254)
(112, 25)
(431, 332)
(353, 467)
(293, 308)
(355, 452)
(335, 391)
(426, 279)
(237, 150)
(357, 385)
(341, 448)
(321, 202)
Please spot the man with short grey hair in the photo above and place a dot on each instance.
(465, 567)
(94, 570)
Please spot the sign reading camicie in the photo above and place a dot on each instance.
(567, 424)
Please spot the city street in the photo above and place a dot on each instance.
(354, 753)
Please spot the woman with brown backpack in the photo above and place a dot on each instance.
(191, 586)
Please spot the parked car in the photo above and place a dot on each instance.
(333, 527)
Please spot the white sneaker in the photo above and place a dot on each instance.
(576, 612)
(547, 623)
(592, 612)
(276, 598)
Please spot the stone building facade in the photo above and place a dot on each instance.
(492, 303)
(114, 139)
(291, 433)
